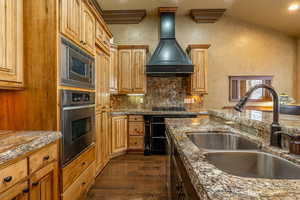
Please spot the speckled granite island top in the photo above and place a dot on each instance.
(259, 119)
(214, 184)
(17, 143)
(151, 112)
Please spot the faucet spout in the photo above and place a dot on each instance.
(275, 127)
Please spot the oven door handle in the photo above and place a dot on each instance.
(78, 107)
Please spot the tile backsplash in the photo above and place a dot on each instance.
(161, 91)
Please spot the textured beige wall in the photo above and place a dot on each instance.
(297, 73)
(238, 48)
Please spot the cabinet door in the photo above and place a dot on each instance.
(106, 136)
(113, 71)
(125, 71)
(71, 18)
(44, 183)
(99, 159)
(99, 79)
(106, 95)
(199, 77)
(87, 29)
(139, 75)
(11, 42)
(119, 134)
(17, 192)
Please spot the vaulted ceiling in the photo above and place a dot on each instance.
(269, 13)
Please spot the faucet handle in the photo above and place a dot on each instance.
(290, 142)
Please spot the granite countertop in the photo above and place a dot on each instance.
(214, 184)
(144, 111)
(17, 143)
(260, 119)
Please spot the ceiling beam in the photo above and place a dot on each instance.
(124, 16)
(206, 15)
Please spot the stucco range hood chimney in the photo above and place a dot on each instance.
(169, 59)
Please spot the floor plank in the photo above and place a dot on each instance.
(132, 177)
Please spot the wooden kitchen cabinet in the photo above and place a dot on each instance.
(18, 192)
(20, 182)
(102, 80)
(71, 19)
(78, 23)
(119, 134)
(87, 29)
(11, 44)
(113, 72)
(136, 133)
(197, 83)
(103, 140)
(132, 64)
(44, 183)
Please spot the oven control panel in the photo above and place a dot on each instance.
(72, 98)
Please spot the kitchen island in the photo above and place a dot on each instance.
(208, 181)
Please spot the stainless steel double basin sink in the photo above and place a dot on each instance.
(241, 157)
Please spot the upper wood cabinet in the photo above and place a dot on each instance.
(113, 70)
(11, 44)
(132, 64)
(87, 29)
(198, 80)
(119, 134)
(102, 38)
(78, 23)
(71, 18)
(102, 80)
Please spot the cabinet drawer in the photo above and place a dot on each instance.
(81, 185)
(13, 174)
(19, 191)
(136, 118)
(136, 128)
(43, 157)
(75, 168)
(136, 142)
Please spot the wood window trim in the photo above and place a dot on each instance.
(249, 77)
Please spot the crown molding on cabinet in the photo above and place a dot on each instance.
(206, 15)
(124, 16)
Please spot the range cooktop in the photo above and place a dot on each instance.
(175, 109)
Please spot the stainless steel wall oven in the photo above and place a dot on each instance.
(78, 123)
(77, 67)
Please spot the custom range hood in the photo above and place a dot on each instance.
(169, 59)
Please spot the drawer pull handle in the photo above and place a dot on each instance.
(7, 179)
(46, 158)
(26, 190)
(35, 184)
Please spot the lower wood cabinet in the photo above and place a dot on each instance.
(44, 183)
(103, 140)
(136, 133)
(82, 184)
(18, 192)
(119, 134)
(20, 183)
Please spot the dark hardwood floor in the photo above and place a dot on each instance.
(132, 177)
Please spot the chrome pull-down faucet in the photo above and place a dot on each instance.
(275, 127)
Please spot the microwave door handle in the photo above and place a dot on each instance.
(78, 107)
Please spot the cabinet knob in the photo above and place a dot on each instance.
(83, 163)
(26, 190)
(83, 183)
(7, 179)
(35, 184)
(46, 158)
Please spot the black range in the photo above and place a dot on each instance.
(155, 136)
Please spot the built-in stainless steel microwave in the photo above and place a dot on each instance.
(77, 67)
